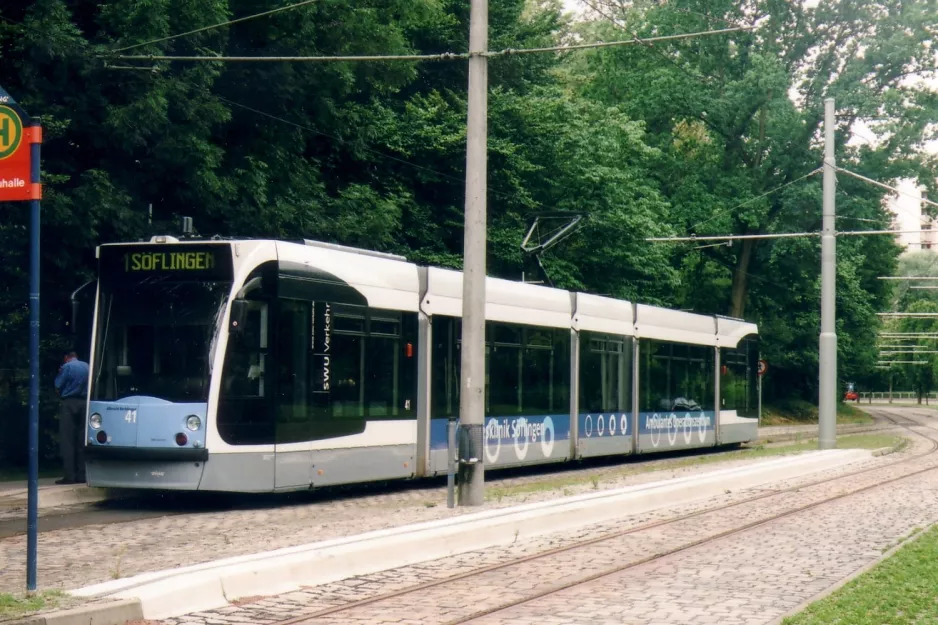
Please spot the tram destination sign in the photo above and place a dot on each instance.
(188, 261)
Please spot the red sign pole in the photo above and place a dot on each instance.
(20, 140)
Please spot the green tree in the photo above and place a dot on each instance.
(737, 119)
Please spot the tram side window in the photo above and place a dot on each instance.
(244, 358)
(506, 368)
(738, 390)
(545, 380)
(341, 365)
(527, 369)
(605, 373)
(446, 356)
(676, 377)
(374, 365)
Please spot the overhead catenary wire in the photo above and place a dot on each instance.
(445, 56)
(615, 22)
(219, 25)
(904, 362)
(378, 153)
(899, 353)
(791, 234)
(758, 197)
(311, 129)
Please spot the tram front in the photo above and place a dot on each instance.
(158, 312)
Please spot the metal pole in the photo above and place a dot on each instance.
(717, 398)
(759, 387)
(451, 463)
(827, 410)
(32, 515)
(472, 373)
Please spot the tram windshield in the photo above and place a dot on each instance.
(156, 338)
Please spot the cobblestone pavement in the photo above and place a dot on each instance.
(72, 558)
(734, 580)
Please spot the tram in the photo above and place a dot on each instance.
(266, 365)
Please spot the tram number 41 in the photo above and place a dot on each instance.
(130, 416)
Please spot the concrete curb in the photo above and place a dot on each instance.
(114, 613)
(824, 594)
(51, 497)
(810, 435)
(175, 592)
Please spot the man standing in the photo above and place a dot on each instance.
(72, 386)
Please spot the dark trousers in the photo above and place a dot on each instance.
(72, 437)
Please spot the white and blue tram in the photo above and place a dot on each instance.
(263, 365)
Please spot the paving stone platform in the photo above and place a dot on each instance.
(746, 579)
(71, 558)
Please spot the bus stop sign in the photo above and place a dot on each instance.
(17, 133)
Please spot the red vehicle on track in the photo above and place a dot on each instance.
(851, 394)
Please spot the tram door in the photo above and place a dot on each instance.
(293, 331)
(245, 401)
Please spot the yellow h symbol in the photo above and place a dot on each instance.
(11, 132)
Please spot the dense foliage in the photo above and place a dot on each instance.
(686, 136)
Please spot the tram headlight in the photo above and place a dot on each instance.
(193, 423)
(95, 421)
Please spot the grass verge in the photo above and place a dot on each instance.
(899, 591)
(13, 606)
(567, 483)
(798, 412)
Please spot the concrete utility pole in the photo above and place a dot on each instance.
(472, 372)
(827, 410)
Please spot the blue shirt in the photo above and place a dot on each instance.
(72, 380)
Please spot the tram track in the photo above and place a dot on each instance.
(146, 506)
(900, 421)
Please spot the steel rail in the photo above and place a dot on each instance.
(346, 607)
(719, 536)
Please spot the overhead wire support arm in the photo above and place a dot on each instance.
(735, 237)
(884, 186)
(781, 235)
(446, 56)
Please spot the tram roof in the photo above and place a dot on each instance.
(386, 280)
